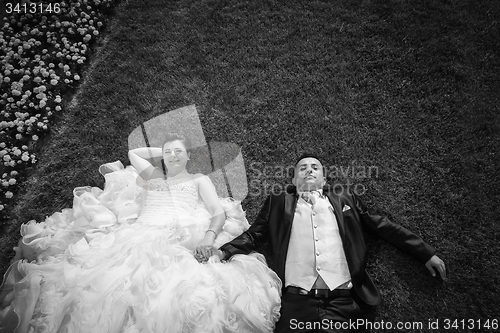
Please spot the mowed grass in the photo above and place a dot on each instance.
(408, 88)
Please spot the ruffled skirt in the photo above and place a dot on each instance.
(77, 272)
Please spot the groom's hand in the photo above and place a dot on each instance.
(219, 253)
(435, 263)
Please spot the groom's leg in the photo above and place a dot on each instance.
(301, 313)
(298, 314)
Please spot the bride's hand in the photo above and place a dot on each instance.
(205, 249)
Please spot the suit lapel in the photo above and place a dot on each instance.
(337, 210)
(289, 212)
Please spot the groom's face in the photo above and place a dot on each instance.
(308, 175)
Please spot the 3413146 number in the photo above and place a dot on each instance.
(32, 8)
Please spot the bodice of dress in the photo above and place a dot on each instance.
(168, 202)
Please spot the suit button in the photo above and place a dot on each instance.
(313, 213)
(317, 253)
(315, 226)
(318, 268)
(316, 239)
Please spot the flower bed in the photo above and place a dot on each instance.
(44, 47)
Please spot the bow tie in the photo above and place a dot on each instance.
(310, 197)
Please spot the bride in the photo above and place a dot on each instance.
(135, 257)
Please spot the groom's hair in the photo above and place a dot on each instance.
(306, 155)
(182, 138)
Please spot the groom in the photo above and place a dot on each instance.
(315, 237)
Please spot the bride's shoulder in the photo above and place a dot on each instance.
(156, 174)
(201, 179)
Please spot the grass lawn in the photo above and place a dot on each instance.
(408, 87)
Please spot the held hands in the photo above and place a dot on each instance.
(206, 249)
(203, 253)
(436, 264)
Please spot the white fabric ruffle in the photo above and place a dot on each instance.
(92, 268)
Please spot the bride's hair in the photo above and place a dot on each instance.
(182, 138)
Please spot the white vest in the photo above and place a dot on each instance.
(315, 247)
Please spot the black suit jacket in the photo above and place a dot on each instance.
(273, 225)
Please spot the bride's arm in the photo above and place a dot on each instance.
(211, 200)
(144, 168)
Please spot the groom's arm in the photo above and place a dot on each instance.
(253, 237)
(400, 237)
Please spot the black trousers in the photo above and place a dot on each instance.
(302, 313)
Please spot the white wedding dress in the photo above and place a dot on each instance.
(121, 260)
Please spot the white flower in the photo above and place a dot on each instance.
(35, 137)
(12, 181)
(9, 194)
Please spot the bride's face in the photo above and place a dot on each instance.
(175, 155)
